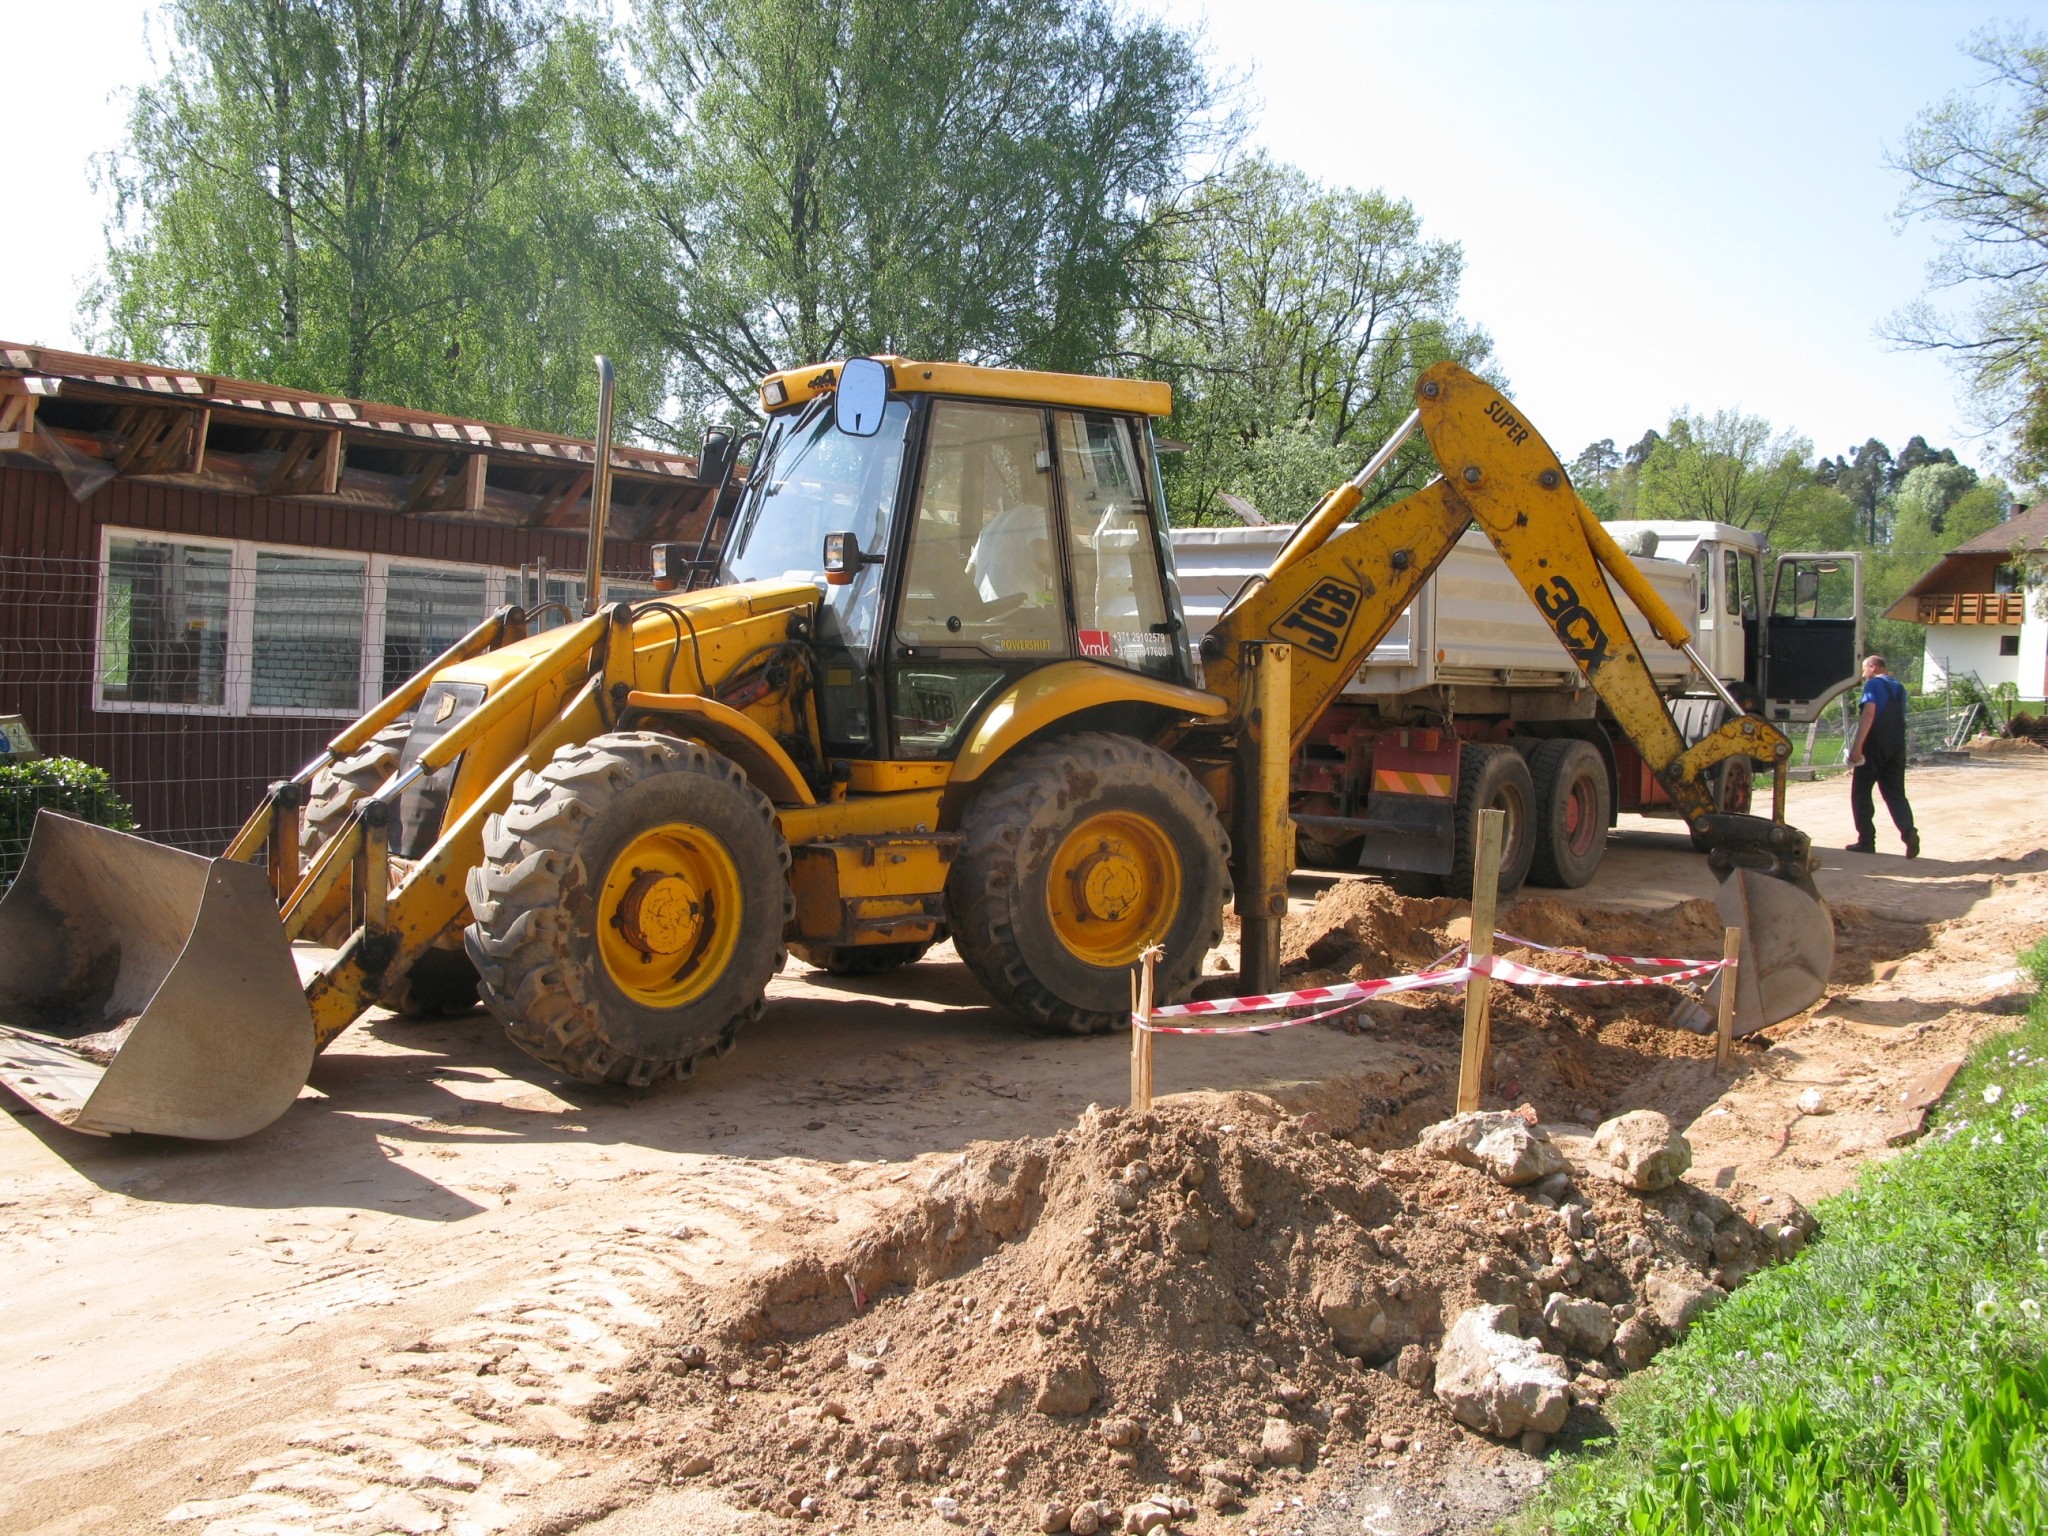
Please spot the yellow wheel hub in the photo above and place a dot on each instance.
(1114, 888)
(669, 915)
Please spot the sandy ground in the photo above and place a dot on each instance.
(257, 1337)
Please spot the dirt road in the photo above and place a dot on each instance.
(395, 1309)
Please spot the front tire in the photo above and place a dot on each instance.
(1081, 853)
(629, 908)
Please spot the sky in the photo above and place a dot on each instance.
(1661, 206)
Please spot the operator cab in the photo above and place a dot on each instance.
(961, 537)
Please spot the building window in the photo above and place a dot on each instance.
(192, 625)
(2008, 645)
(427, 608)
(164, 624)
(306, 644)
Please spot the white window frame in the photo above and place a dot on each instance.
(240, 617)
(249, 550)
(373, 622)
(238, 683)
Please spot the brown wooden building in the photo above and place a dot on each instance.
(202, 578)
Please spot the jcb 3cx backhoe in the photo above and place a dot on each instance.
(941, 684)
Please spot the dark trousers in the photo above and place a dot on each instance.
(1888, 775)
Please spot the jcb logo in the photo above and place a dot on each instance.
(1321, 619)
(1577, 629)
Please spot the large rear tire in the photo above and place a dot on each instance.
(1081, 853)
(1570, 781)
(629, 908)
(1493, 778)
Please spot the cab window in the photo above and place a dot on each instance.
(1120, 610)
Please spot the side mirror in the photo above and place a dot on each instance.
(1805, 586)
(844, 557)
(862, 394)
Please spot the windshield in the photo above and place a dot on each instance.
(812, 480)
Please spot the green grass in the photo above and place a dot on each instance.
(1890, 1378)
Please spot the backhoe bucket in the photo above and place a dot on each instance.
(145, 989)
(1788, 949)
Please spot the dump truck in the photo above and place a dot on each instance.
(1391, 773)
(940, 683)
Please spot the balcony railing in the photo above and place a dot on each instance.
(2008, 608)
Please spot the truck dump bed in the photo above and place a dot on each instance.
(1471, 625)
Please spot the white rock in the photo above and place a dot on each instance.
(1505, 1146)
(1812, 1103)
(1643, 1151)
(1677, 1300)
(1493, 1379)
(1585, 1326)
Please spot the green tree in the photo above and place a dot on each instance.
(1292, 319)
(1731, 468)
(1976, 165)
(359, 196)
(976, 179)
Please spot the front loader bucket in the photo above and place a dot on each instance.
(1788, 949)
(145, 989)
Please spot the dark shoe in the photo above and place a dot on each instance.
(1859, 848)
(1912, 845)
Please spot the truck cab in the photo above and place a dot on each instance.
(1788, 628)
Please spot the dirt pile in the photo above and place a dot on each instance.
(1198, 1305)
(2025, 727)
(1576, 1053)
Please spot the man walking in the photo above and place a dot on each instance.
(1879, 758)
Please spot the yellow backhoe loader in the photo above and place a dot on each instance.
(939, 682)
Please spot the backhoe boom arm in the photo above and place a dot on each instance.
(1333, 595)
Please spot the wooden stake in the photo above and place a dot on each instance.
(1724, 1030)
(1141, 1037)
(1478, 1019)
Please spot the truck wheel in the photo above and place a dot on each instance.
(1732, 786)
(1570, 781)
(1081, 853)
(860, 959)
(629, 908)
(1493, 778)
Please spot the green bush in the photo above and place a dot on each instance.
(63, 784)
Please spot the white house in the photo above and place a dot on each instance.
(1984, 612)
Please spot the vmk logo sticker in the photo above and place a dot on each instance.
(1321, 619)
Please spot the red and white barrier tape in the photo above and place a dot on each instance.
(1513, 971)
(1557, 949)
(1347, 996)
(1350, 994)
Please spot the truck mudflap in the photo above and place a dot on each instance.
(147, 989)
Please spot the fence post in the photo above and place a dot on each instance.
(1478, 1019)
(1724, 1024)
(1141, 1033)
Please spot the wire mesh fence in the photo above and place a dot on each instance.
(1935, 722)
(195, 673)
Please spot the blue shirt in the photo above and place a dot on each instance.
(1888, 731)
